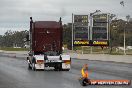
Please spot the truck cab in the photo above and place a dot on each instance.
(45, 39)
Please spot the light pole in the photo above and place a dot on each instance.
(91, 16)
(125, 24)
(124, 40)
(122, 4)
(72, 30)
(127, 17)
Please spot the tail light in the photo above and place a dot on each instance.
(40, 61)
(67, 61)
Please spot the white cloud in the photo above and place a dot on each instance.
(19, 11)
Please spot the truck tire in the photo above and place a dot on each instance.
(33, 64)
(29, 67)
(58, 67)
(33, 67)
(67, 69)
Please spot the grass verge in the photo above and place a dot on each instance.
(13, 49)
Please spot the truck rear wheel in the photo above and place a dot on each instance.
(66, 69)
(33, 67)
(29, 67)
(58, 67)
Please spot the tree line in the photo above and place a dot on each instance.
(13, 38)
(117, 27)
(16, 38)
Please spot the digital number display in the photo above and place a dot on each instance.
(100, 27)
(99, 30)
(96, 36)
(82, 36)
(81, 18)
(99, 33)
(81, 29)
(80, 24)
(95, 24)
(100, 18)
(81, 33)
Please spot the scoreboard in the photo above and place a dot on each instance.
(100, 27)
(81, 33)
(100, 18)
(83, 19)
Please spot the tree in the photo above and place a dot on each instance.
(117, 32)
(13, 38)
(67, 35)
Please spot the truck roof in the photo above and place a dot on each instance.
(47, 24)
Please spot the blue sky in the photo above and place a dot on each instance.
(14, 14)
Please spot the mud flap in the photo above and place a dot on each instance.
(84, 81)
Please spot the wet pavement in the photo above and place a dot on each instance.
(14, 74)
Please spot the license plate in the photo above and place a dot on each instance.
(51, 61)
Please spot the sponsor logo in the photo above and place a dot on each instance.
(100, 42)
(81, 42)
(91, 43)
(110, 82)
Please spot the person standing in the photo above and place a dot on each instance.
(85, 75)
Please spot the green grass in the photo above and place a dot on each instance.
(13, 49)
(98, 50)
(121, 52)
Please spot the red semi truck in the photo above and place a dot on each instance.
(45, 39)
